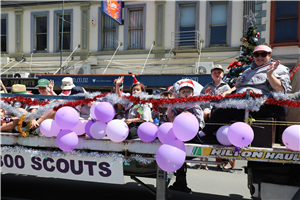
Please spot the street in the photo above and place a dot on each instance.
(213, 184)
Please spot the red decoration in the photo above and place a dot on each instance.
(157, 102)
(245, 40)
(250, 59)
(234, 64)
(257, 34)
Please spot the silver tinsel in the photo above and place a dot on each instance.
(251, 104)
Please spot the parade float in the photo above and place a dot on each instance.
(97, 150)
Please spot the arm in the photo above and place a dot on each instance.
(2, 85)
(129, 121)
(119, 81)
(170, 114)
(228, 91)
(274, 82)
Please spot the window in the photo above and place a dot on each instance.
(218, 23)
(109, 31)
(41, 33)
(285, 23)
(3, 34)
(66, 32)
(134, 26)
(187, 24)
(135, 30)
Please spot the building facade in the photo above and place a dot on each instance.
(155, 37)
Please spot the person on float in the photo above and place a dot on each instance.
(135, 114)
(118, 89)
(67, 85)
(217, 86)
(186, 89)
(161, 115)
(263, 77)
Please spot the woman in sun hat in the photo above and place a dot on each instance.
(67, 85)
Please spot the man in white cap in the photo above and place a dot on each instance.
(67, 85)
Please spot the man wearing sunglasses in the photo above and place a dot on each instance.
(264, 76)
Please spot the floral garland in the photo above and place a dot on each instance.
(20, 123)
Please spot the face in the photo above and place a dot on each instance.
(136, 89)
(217, 74)
(262, 60)
(186, 92)
(43, 90)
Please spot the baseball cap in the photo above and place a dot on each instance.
(43, 83)
(217, 67)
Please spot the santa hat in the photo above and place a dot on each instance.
(135, 81)
(234, 64)
(170, 89)
(187, 83)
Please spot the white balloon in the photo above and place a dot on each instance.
(117, 130)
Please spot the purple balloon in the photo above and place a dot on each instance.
(176, 143)
(97, 130)
(291, 137)
(88, 126)
(49, 128)
(67, 140)
(104, 112)
(117, 130)
(165, 132)
(240, 134)
(92, 110)
(79, 129)
(222, 135)
(147, 131)
(170, 158)
(185, 126)
(66, 117)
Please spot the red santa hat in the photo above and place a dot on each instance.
(135, 81)
(187, 83)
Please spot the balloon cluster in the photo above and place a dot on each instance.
(171, 154)
(67, 126)
(238, 134)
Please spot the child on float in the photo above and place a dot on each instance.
(217, 86)
(161, 115)
(118, 89)
(136, 114)
(186, 89)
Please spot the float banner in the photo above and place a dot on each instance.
(113, 9)
(246, 154)
(104, 170)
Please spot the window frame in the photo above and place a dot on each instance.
(177, 18)
(126, 25)
(5, 16)
(33, 30)
(100, 29)
(228, 28)
(272, 29)
(56, 43)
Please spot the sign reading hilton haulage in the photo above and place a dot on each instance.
(247, 154)
(104, 170)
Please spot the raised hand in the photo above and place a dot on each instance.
(208, 90)
(272, 68)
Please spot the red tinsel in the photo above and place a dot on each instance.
(156, 102)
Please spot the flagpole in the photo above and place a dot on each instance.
(62, 36)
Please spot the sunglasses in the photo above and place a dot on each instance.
(262, 54)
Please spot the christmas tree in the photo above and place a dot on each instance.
(250, 41)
